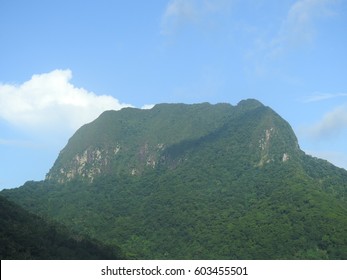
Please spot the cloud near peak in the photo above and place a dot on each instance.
(50, 101)
(333, 123)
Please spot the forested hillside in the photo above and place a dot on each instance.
(195, 182)
(26, 236)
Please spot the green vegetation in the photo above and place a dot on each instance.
(195, 182)
(26, 236)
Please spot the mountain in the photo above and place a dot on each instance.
(195, 181)
(132, 141)
(27, 236)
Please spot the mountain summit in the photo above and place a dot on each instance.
(195, 181)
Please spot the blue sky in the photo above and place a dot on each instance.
(63, 62)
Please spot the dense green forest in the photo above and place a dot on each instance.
(195, 182)
(27, 236)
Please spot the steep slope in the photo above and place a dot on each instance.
(26, 236)
(196, 181)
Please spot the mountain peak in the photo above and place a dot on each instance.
(250, 103)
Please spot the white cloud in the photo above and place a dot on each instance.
(178, 13)
(323, 96)
(330, 125)
(181, 12)
(298, 28)
(50, 101)
(147, 106)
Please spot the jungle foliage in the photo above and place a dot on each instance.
(26, 236)
(231, 183)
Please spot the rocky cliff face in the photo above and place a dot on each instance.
(88, 164)
(94, 161)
